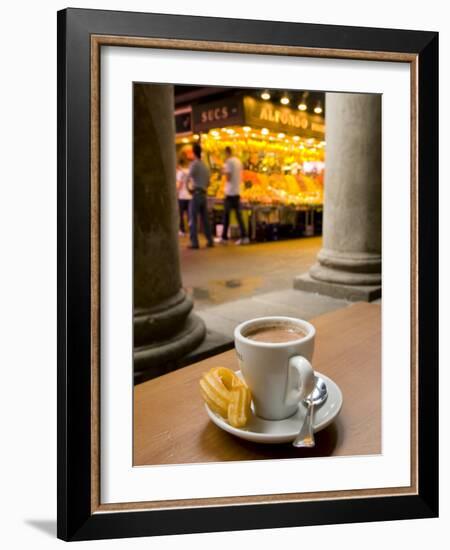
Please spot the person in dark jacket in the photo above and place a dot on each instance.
(198, 181)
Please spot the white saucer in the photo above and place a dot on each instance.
(259, 430)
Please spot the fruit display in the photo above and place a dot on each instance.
(227, 395)
(273, 189)
(281, 189)
(274, 171)
(278, 169)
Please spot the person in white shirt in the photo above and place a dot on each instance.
(232, 170)
(184, 197)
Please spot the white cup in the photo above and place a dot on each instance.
(279, 374)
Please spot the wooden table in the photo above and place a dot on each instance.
(171, 425)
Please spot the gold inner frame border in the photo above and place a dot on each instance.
(97, 41)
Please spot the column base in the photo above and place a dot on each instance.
(352, 293)
(161, 357)
(347, 268)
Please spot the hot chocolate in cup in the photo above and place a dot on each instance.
(274, 355)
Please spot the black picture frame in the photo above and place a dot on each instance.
(76, 521)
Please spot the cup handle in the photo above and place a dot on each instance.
(300, 380)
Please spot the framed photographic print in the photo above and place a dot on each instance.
(247, 257)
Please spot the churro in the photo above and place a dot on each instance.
(227, 395)
(239, 407)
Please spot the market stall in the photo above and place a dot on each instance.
(282, 152)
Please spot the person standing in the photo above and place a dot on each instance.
(232, 170)
(198, 181)
(184, 197)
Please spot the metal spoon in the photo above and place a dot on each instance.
(319, 394)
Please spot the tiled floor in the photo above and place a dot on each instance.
(230, 284)
(292, 303)
(222, 274)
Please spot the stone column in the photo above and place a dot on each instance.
(164, 327)
(349, 264)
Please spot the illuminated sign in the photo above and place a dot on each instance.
(227, 112)
(239, 111)
(263, 114)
